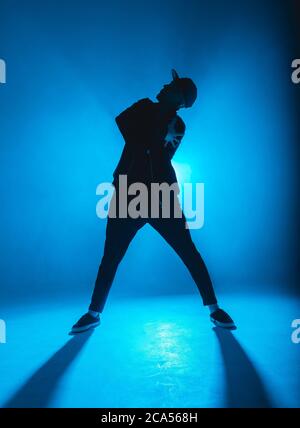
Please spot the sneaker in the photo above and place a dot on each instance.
(221, 319)
(86, 322)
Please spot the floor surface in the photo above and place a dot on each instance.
(152, 352)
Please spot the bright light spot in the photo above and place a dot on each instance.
(167, 346)
(183, 172)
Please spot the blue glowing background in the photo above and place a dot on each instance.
(73, 66)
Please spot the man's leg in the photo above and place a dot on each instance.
(119, 234)
(173, 230)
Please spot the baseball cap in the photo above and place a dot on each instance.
(188, 87)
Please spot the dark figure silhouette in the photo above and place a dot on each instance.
(244, 386)
(39, 390)
(152, 134)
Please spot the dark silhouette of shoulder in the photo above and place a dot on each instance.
(135, 109)
(131, 119)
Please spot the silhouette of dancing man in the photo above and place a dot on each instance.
(152, 132)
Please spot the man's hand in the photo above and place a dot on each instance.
(174, 135)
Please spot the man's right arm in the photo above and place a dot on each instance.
(130, 121)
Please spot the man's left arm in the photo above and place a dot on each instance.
(176, 131)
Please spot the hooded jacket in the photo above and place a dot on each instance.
(151, 140)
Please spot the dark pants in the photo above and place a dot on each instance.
(119, 234)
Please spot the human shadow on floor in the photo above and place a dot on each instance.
(39, 389)
(244, 387)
